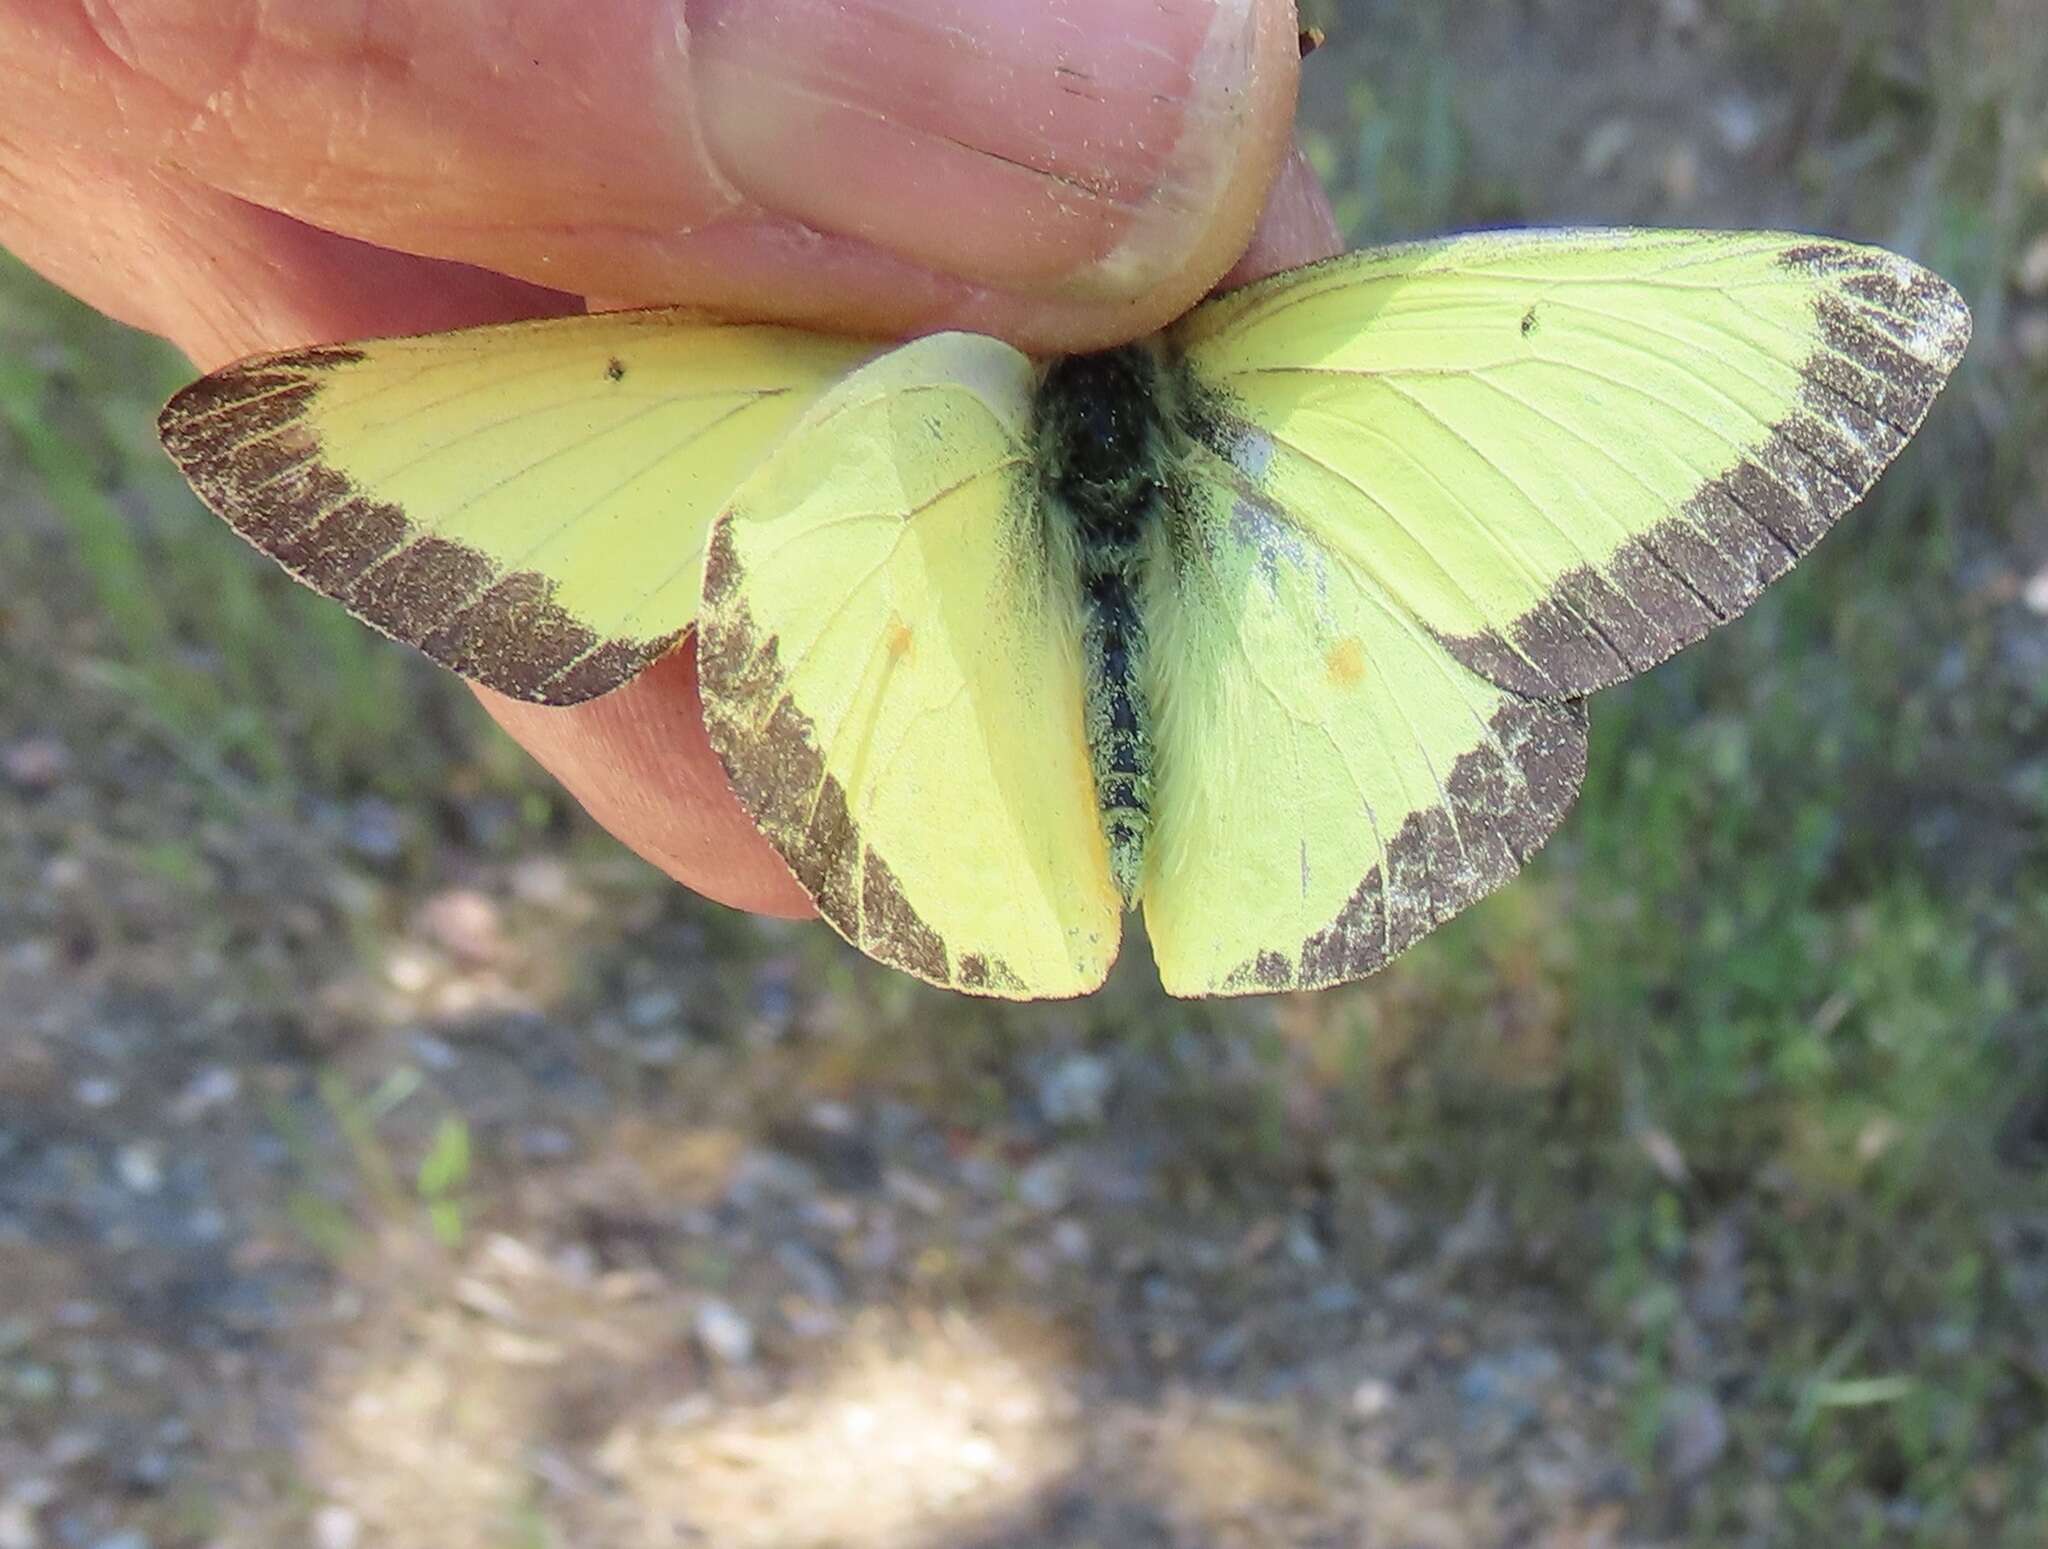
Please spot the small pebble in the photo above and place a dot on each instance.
(926, 1198)
(466, 924)
(1605, 146)
(762, 1176)
(148, 1472)
(140, 1167)
(1695, 1432)
(68, 1449)
(546, 1143)
(65, 873)
(214, 1087)
(807, 1320)
(1075, 1090)
(1043, 1186)
(435, 1053)
(1738, 123)
(1335, 1298)
(1501, 1395)
(18, 1528)
(725, 1335)
(96, 1092)
(546, 883)
(36, 955)
(375, 830)
(336, 1527)
(2033, 274)
(576, 1263)
(1372, 1398)
(2035, 593)
(812, 1276)
(410, 968)
(1070, 1240)
(691, 1409)
(35, 764)
(2030, 334)
(652, 1008)
(1301, 1243)
(35, 1492)
(833, 1117)
(514, 1257)
(658, 1051)
(1682, 174)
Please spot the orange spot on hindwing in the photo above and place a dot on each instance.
(1345, 662)
(898, 639)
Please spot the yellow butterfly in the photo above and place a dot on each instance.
(1276, 624)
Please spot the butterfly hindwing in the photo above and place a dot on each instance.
(1334, 783)
(890, 667)
(1568, 454)
(526, 503)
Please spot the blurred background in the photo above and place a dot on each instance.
(386, 1158)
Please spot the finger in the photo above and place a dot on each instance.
(1298, 226)
(150, 249)
(640, 763)
(1060, 171)
(222, 278)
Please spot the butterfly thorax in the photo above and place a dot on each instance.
(1100, 434)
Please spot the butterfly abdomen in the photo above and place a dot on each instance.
(1098, 420)
(1119, 720)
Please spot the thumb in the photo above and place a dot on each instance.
(1063, 173)
(1103, 159)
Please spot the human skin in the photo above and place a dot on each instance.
(247, 175)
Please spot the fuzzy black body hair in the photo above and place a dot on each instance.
(1100, 433)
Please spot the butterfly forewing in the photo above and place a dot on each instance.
(527, 504)
(1568, 454)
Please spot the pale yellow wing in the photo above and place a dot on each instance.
(1334, 783)
(1567, 454)
(889, 656)
(525, 503)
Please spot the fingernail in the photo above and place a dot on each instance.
(1075, 148)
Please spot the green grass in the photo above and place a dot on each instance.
(341, 1215)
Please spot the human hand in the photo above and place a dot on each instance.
(240, 177)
